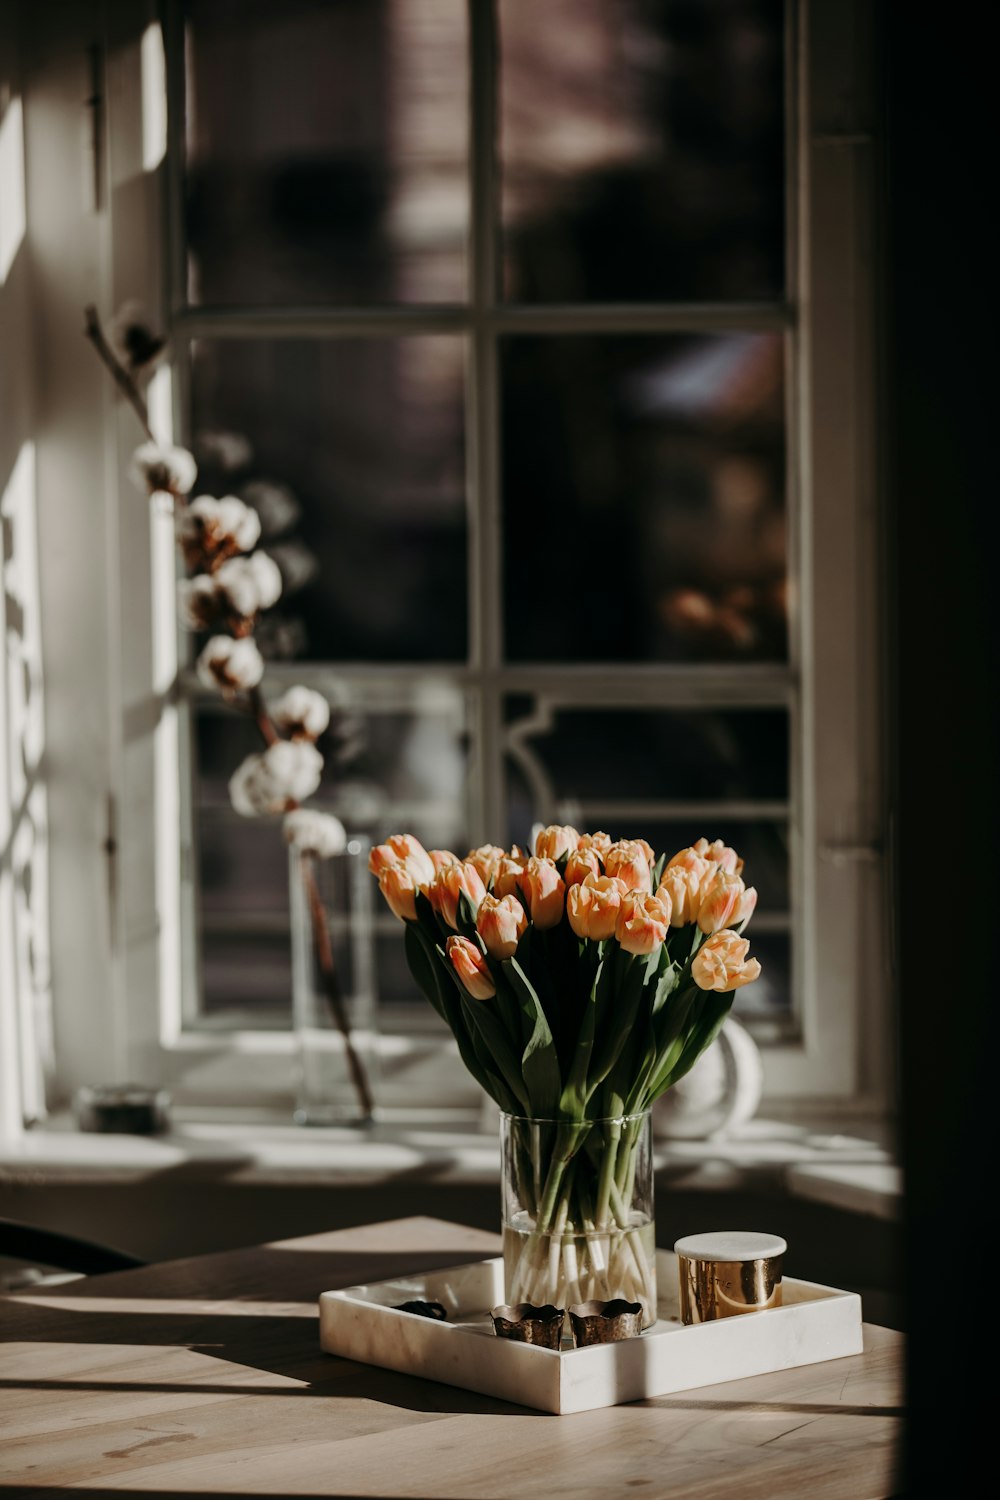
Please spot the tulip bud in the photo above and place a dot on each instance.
(555, 841)
(380, 858)
(721, 963)
(642, 922)
(720, 902)
(690, 859)
(592, 907)
(581, 863)
(500, 924)
(680, 892)
(486, 859)
(471, 967)
(628, 861)
(544, 890)
(448, 884)
(400, 891)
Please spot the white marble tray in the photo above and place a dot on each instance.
(814, 1323)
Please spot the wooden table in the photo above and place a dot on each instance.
(204, 1377)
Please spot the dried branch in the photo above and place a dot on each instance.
(95, 333)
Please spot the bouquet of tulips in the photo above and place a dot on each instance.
(580, 982)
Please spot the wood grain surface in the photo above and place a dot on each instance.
(204, 1377)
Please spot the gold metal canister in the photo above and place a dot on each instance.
(727, 1273)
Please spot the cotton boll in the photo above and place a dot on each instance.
(314, 832)
(163, 468)
(250, 789)
(301, 713)
(231, 665)
(249, 584)
(198, 601)
(295, 768)
(212, 530)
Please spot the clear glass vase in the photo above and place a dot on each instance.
(578, 1211)
(333, 987)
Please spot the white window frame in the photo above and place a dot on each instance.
(127, 1016)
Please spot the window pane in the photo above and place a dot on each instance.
(396, 764)
(602, 755)
(367, 436)
(642, 149)
(326, 151)
(648, 475)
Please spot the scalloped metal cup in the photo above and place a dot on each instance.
(605, 1322)
(524, 1323)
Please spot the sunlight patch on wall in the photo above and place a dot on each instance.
(154, 98)
(12, 206)
(24, 890)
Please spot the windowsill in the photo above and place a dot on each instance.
(855, 1172)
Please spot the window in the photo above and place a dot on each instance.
(542, 338)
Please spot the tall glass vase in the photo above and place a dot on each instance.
(578, 1211)
(333, 986)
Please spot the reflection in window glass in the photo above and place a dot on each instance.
(642, 149)
(326, 151)
(653, 755)
(394, 768)
(353, 451)
(649, 474)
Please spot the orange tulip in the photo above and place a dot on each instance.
(400, 891)
(581, 863)
(628, 861)
(642, 922)
(680, 892)
(720, 901)
(448, 884)
(471, 967)
(441, 857)
(544, 890)
(486, 858)
(555, 841)
(690, 859)
(592, 907)
(500, 924)
(747, 906)
(721, 963)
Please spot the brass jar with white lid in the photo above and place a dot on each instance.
(728, 1272)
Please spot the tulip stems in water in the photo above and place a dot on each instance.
(331, 988)
(123, 380)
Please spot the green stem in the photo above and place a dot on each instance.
(605, 1182)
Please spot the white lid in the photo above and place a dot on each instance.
(730, 1244)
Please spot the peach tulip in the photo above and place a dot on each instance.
(601, 842)
(400, 891)
(628, 861)
(448, 884)
(720, 854)
(690, 859)
(642, 922)
(720, 901)
(592, 907)
(471, 967)
(500, 924)
(507, 875)
(680, 892)
(486, 858)
(721, 963)
(439, 858)
(411, 853)
(581, 863)
(545, 890)
(555, 841)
